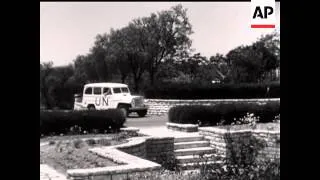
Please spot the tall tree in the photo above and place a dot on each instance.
(219, 65)
(253, 62)
(128, 55)
(45, 70)
(250, 63)
(162, 36)
(118, 54)
(99, 53)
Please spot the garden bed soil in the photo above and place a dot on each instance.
(83, 136)
(73, 155)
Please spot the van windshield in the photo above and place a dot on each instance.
(124, 90)
(116, 90)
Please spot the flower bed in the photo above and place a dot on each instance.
(63, 153)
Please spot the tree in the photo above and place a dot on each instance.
(85, 70)
(253, 63)
(128, 55)
(59, 90)
(272, 43)
(219, 66)
(99, 53)
(161, 36)
(250, 63)
(45, 70)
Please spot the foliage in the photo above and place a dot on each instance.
(241, 163)
(225, 114)
(57, 122)
(277, 118)
(212, 91)
(250, 119)
(251, 63)
(168, 161)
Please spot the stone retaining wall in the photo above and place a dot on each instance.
(162, 106)
(183, 127)
(136, 158)
(138, 149)
(159, 149)
(222, 141)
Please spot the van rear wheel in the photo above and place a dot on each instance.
(91, 108)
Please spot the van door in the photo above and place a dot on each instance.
(97, 93)
(88, 97)
(105, 99)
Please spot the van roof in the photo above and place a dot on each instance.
(106, 85)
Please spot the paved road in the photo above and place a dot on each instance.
(148, 121)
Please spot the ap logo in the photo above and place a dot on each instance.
(263, 14)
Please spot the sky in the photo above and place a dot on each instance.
(68, 29)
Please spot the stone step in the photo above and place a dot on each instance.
(191, 144)
(188, 139)
(195, 158)
(193, 151)
(193, 166)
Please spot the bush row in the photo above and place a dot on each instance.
(58, 121)
(223, 113)
(213, 91)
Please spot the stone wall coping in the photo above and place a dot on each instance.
(182, 125)
(129, 129)
(223, 131)
(130, 163)
(132, 142)
(213, 100)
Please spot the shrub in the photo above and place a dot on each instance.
(168, 161)
(242, 164)
(78, 143)
(57, 122)
(212, 91)
(225, 114)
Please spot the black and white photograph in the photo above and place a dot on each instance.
(160, 90)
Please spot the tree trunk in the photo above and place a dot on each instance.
(136, 84)
(151, 76)
(46, 98)
(123, 78)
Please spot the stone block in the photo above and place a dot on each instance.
(101, 177)
(120, 177)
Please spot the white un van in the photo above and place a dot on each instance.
(101, 96)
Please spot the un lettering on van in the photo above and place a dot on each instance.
(263, 14)
(102, 100)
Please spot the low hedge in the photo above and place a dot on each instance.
(211, 115)
(212, 91)
(59, 121)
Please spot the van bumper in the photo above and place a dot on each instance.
(135, 109)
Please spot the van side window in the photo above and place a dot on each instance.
(97, 90)
(106, 91)
(116, 90)
(88, 90)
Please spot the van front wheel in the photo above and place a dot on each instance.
(124, 109)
